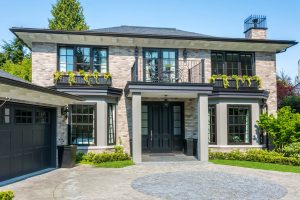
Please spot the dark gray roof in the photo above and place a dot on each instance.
(141, 30)
(9, 76)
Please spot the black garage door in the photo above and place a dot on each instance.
(27, 139)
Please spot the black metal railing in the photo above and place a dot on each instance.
(79, 80)
(255, 21)
(168, 70)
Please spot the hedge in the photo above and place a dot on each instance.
(118, 155)
(256, 156)
(292, 150)
(6, 195)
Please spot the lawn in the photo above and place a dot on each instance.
(113, 164)
(258, 165)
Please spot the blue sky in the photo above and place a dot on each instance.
(212, 17)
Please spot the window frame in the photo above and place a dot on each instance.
(225, 66)
(215, 124)
(114, 125)
(3, 115)
(91, 47)
(94, 124)
(24, 110)
(250, 124)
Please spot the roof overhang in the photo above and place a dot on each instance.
(169, 90)
(29, 35)
(103, 91)
(22, 92)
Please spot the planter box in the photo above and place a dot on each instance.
(67, 156)
(232, 84)
(64, 80)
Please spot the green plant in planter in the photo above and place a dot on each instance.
(96, 75)
(86, 76)
(258, 80)
(71, 78)
(213, 78)
(248, 79)
(107, 76)
(57, 75)
(237, 79)
(225, 81)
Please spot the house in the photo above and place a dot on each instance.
(153, 88)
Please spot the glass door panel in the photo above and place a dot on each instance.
(151, 65)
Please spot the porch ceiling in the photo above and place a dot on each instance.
(90, 38)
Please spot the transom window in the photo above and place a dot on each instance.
(212, 136)
(82, 124)
(4, 115)
(111, 118)
(23, 116)
(232, 63)
(239, 123)
(83, 58)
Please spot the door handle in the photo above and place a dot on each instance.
(151, 135)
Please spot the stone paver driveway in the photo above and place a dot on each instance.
(181, 180)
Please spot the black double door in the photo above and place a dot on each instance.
(162, 127)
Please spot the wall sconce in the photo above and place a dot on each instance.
(184, 53)
(64, 111)
(136, 52)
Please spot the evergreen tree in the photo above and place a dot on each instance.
(67, 15)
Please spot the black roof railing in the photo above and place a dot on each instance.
(255, 21)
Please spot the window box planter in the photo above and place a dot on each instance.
(79, 80)
(232, 84)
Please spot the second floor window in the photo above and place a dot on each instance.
(232, 63)
(83, 58)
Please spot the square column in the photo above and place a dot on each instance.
(136, 127)
(101, 123)
(202, 111)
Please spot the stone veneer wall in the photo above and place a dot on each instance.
(256, 34)
(61, 128)
(44, 63)
(265, 64)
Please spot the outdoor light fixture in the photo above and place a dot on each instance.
(136, 52)
(64, 111)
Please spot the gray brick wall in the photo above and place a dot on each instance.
(256, 34)
(44, 63)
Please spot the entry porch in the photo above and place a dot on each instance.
(164, 116)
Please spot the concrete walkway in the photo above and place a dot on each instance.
(85, 182)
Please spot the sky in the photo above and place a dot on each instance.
(222, 18)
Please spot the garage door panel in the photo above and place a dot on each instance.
(25, 146)
(5, 142)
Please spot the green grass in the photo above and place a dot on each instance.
(258, 165)
(113, 164)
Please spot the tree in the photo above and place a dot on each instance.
(283, 91)
(14, 51)
(21, 70)
(283, 129)
(293, 102)
(67, 15)
(284, 78)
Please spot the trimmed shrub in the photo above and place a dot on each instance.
(118, 155)
(292, 150)
(7, 195)
(258, 155)
(79, 156)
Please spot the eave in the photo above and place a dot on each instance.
(29, 35)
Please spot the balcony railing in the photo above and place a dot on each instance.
(168, 70)
(79, 80)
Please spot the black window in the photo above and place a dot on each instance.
(42, 117)
(111, 129)
(82, 124)
(239, 124)
(23, 116)
(232, 63)
(212, 136)
(83, 58)
(4, 115)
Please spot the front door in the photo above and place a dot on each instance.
(162, 127)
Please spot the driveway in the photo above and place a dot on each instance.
(172, 180)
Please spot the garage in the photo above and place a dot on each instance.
(30, 123)
(27, 139)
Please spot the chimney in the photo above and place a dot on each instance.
(255, 27)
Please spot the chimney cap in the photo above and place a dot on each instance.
(255, 22)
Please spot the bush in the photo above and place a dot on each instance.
(6, 195)
(283, 129)
(117, 155)
(292, 150)
(292, 101)
(256, 155)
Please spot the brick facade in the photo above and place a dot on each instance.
(256, 34)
